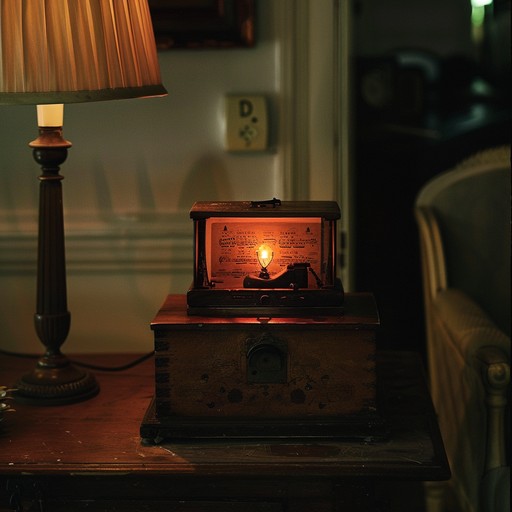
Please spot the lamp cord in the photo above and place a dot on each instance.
(89, 366)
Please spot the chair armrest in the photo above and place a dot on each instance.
(469, 328)
(486, 350)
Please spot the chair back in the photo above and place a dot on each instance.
(469, 210)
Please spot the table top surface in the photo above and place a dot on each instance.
(101, 435)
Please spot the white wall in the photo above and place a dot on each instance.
(137, 166)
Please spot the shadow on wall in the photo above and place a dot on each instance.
(140, 199)
(207, 181)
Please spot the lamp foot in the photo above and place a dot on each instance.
(55, 384)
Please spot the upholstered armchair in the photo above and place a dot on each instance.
(463, 217)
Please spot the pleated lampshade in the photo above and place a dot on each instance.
(67, 51)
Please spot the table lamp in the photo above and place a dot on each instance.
(54, 52)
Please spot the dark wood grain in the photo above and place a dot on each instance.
(204, 378)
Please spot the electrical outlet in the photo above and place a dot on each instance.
(246, 123)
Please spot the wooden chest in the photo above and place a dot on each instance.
(264, 377)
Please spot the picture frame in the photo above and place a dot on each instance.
(200, 24)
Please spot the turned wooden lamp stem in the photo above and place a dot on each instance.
(54, 380)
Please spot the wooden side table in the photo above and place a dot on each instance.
(89, 456)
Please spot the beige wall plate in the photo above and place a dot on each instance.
(246, 123)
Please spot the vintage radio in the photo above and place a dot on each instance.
(265, 343)
(265, 258)
(223, 377)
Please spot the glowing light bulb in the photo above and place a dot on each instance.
(265, 256)
(50, 115)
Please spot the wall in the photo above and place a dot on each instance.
(137, 166)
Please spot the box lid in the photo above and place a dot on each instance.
(274, 208)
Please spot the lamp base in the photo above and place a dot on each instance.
(55, 382)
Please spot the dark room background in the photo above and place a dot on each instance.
(432, 83)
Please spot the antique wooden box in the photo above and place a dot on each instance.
(265, 257)
(264, 376)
